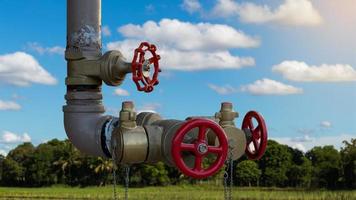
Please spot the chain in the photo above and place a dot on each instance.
(226, 176)
(114, 172)
(231, 175)
(229, 166)
(127, 181)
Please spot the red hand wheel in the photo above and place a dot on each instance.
(200, 148)
(141, 67)
(258, 135)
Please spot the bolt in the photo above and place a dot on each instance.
(202, 148)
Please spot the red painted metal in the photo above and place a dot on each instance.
(142, 82)
(258, 137)
(178, 147)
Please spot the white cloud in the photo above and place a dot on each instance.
(306, 145)
(106, 31)
(191, 5)
(121, 92)
(150, 8)
(9, 105)
(325, 124)
(196, 47)
(290, 12)
(42, 50)
(223, 90)
(10, 137)
(22, 69)
(270, 87)
(226, 8)
(200, 36)
(300, 71)
(3, 152)
(149, 107)
(300, 147)
(305, 138)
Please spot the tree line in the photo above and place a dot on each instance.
(59, 162)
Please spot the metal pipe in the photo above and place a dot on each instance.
(84, 121)
(84, 26)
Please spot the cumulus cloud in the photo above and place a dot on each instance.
(22, 69)
(325, 124)
(226, 8)
(45, 50)
(223, 90)
(290, 12)
(200, 36)
(270, 87)
(10, 138)
(9, 105)
(106, 31)
(196, 47)
(305, 145)
(149, 107)
(191, 5)
(121, 92)
(300, 71)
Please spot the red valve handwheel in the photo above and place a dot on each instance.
(199, 148)
(258, 137)
(145, 83)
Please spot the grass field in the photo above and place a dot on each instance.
(172, 192)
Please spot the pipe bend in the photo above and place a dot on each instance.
(85, 123)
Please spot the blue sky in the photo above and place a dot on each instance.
(291, 60)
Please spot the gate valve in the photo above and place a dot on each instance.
(141, 67)
(258, 135)
(199, 148)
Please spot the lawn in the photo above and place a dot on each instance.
(172, 192)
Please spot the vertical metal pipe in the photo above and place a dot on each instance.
(84, 119)
(84, 27)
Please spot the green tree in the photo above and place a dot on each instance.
(2, 158)
(41, 170)
(275, 164)
(22, 152)
(299, 173)
(69, 158)
(18, 161)
(326, 163)
(348, 155)
(156, 174)
(13, 174)
(103, 168)
(247, 173)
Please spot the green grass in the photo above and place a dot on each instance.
(173, 192)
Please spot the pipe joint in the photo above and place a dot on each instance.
(110, 68)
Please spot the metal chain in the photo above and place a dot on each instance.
(127, 177)
(231, 175)
(229, 166)
(114, 172)
(127, 181)
(226, 176)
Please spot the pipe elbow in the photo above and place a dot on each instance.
(85, 123)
